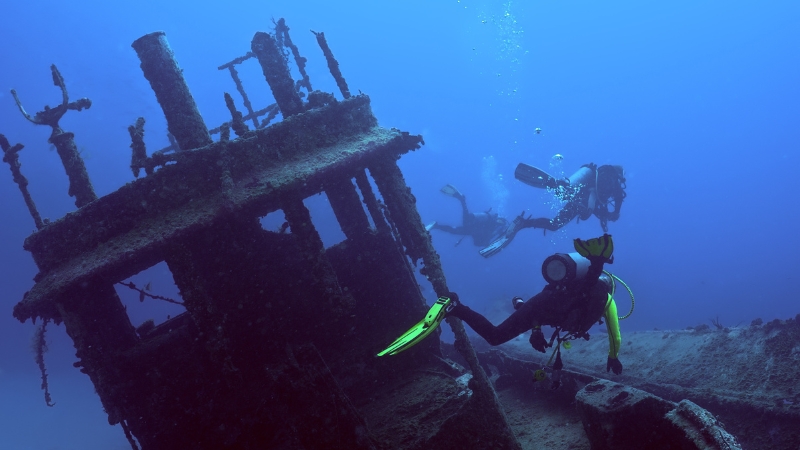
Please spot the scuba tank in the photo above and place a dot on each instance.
(584, 178)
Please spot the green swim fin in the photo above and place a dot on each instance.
(535, 177)
(450, 190)
(422, 329)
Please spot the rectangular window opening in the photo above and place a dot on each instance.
(150, 295)
(324, 219)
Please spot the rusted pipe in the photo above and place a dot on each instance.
(166, 79)
(276, 71)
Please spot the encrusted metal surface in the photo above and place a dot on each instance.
(127, 230)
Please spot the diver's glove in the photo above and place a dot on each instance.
(537, 340)
(614, 365)
(454, 303)
(601, 248)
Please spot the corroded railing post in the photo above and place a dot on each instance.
(339, 302)
(347, 207)
(231, 66)
(79, 185)
(11, 156)
(166, 79)
(97, 322)
(276, 71)
(402, 205)
(333, 65)
(373, 206)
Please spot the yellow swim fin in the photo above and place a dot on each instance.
(601, 246)
(422, 329)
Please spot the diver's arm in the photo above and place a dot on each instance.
(600, 251)
(461, 230)
(614, 215)
(564, 216)
(612, 326)
(618, 199)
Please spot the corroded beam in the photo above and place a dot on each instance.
(166, 78)
(347, 207)
(276, 71)
(493, 427)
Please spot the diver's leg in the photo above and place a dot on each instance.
(466, 216)
(516, 324)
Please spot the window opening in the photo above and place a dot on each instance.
(324, 219)
(275, 222)
(150, 295)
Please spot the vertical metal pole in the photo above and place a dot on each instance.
(98, 324)
(348, 208)
(402, 206)
(276, 71)
(372, 202)
(310, 243)
(166, 79)
(333, 65)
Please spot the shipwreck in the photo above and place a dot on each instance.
(277, 345)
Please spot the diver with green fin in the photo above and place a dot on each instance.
(591, 190)
(579, 293)
(484, 228)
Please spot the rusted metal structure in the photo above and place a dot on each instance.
(276, 347)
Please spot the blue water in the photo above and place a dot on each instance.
(698, 100)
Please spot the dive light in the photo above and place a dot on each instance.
(563, 268)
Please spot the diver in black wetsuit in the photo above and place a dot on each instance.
(590, 190)
(578, 294)
(484, 227)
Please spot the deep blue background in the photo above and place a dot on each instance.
(697, 99)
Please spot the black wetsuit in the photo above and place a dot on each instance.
(572, 310)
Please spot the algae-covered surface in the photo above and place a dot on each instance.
(745, 376)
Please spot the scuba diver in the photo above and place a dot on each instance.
(485, 227)
(579, 293)
(590, 190)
